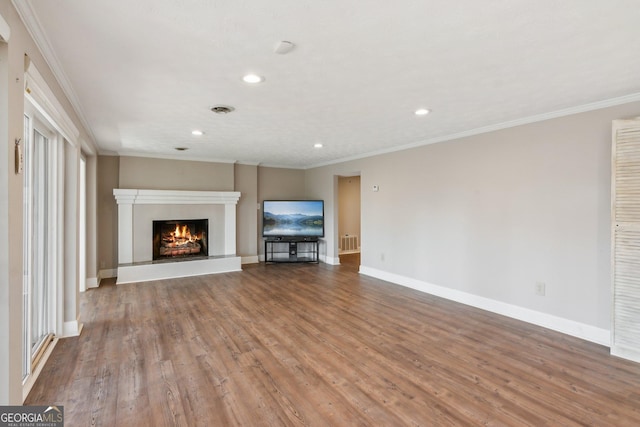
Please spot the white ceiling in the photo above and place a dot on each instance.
(143, 74)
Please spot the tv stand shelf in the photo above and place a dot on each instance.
(304, 249)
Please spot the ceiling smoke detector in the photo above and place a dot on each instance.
(222, 109)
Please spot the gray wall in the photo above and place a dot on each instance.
(491, 215)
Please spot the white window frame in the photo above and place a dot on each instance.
(36, 123)
(41, 102)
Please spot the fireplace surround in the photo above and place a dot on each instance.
(138, 208)
(179, 239)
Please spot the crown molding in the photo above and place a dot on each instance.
(34, 27)
(37, 92)
(5, 30)
(598, 105)
(172, 157)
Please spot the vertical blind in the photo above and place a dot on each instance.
(625, 332)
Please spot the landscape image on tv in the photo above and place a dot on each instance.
(293, 218)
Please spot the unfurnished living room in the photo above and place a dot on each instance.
(252, 213)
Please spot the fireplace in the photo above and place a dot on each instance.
(185, 238)
(138, 208)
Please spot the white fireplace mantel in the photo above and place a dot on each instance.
(129, 270)
(125, 196)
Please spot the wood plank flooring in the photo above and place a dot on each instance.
(320, 345)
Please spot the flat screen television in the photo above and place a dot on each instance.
(292, 218)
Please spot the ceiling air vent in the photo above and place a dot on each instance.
(222, 109)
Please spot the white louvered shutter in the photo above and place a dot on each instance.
(625, 331)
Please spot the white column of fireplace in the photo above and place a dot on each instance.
(131, 269)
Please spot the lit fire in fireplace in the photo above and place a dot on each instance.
(182, 233)
(180, 242)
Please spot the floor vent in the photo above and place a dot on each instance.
(349, 244)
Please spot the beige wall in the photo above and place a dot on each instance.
(278, 184)
(491, 215)
(163, 174)
(254, 183)
(246, 182)
(108, 176)
(9, 292)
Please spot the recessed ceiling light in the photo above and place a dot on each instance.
(317, 145)
(252, 78)
(197, 132)
(422, 112)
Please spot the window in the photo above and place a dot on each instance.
(40, 239)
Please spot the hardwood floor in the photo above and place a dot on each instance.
(320, 345)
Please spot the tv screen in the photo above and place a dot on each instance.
(293, 218)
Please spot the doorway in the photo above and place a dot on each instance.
(349, 232)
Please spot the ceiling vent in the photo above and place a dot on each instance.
(222, 109)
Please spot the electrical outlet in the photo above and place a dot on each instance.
(382, 256)
(540, 288)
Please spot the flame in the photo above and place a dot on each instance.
(182, 232)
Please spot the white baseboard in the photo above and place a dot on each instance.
(71, 329)
(330, 260)
(92, 282)
(626, 353)
(559, 324)
(107, 274)
(250, 259)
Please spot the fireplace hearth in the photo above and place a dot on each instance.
(178, 239)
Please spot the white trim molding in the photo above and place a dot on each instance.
(250, 259)
(558, 324)
(330, 260)
(625, 99)
(108, 273)
(5, 30)
(38, 34)
(41, 96)
(71, 329)
(92, 282)
(174, 197)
